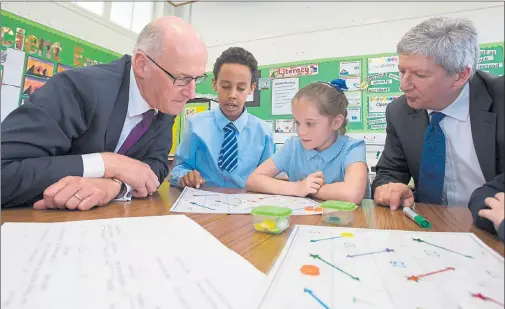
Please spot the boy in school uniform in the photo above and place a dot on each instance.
(223, 146)
(487, 206)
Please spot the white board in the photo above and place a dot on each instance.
(199, 201)
(366, 268)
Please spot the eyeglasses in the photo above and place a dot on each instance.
(180, 81)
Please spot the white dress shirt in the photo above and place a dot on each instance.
(93, 163)
(462, 169)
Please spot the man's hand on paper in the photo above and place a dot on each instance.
(78, 193)
(394, 195)
(137, 174)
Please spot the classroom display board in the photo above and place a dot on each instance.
(32, 53)
(191, 108)
(338, 267)
(373, 82)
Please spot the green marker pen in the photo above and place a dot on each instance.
(416, 218)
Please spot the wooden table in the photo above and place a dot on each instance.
(237, 232)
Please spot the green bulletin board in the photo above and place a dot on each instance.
(373, 82)
(46, 51)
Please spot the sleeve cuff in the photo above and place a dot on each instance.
(93, 165)
(127, 196)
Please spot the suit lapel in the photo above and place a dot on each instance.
(118, 115)
(418, 121)
(483, 125)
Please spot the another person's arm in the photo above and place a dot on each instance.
(477, 204)
(355, 183)
(262, 178)
(36, 139)
(389, 187)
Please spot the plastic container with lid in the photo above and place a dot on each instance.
(338, 212)
(271, 219)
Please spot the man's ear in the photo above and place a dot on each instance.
(139, 64)
(462, 77)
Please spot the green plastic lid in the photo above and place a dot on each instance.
(339, 205)
(275, 211)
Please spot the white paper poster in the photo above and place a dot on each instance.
(379, 104)
(9, 99)
(354, 98)
(13, 67)
(352, 82)
(350, 68)
(283, 91)
(383, 65)
(354, 115)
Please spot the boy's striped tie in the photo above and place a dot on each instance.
(228, 157)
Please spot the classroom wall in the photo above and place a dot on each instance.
(279, 32)
(71, 19)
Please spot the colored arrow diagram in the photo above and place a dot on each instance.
(416, 278)
(226, 203)
(361, 254)
(196, 204)
(342, 235)
(420, 240)
(317, 257)
(308, 291)
(485, 298)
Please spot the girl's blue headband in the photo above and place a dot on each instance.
(338, 84)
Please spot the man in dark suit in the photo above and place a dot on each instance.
(94, 134)
(447, 130)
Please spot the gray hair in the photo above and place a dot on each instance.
(452, 42)
(150, 40)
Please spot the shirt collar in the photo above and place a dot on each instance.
(222, 121)
(460, 108)
(329, 153)
(136, 104)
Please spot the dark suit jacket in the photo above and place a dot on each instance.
(76, 112)
(476, 203)
(406, 126)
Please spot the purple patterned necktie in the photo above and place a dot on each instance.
(137, 132)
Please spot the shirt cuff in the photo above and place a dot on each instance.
(93, 165)
(127, 196)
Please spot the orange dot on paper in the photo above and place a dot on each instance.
(312, 208)
(310, 270)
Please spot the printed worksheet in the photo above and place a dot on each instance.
(336, 267)
(149, 262)
(199, 201)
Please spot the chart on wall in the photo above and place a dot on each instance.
(491, 60)
(32, 53)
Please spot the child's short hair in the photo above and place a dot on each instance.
(240, 56)
(330, 101)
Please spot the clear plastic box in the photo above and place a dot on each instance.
(271, 219)
(338, 212)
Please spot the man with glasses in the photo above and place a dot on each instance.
(95, 134)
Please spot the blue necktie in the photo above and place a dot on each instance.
(432, 170)
(228, 156)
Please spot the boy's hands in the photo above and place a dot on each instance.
(192, 179)
(496, 213)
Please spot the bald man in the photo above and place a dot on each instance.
(101, 133)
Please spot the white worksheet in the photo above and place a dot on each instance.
(127, 263)
(200, 201)
(336, 267)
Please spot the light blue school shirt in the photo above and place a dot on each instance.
(298, 162)
(201, 145)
